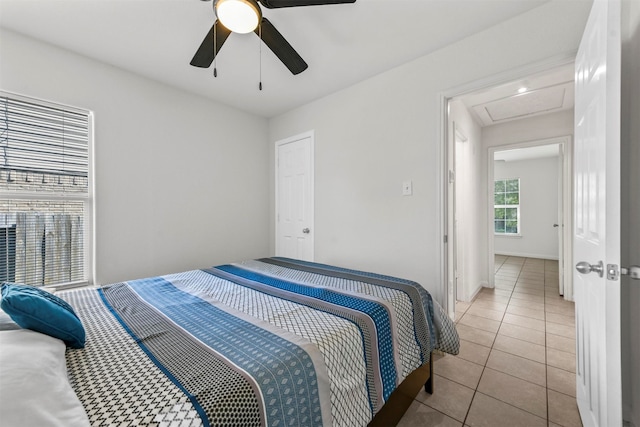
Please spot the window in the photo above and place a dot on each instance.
(506, 206)
(45, 197)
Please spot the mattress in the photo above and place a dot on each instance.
(266, 342)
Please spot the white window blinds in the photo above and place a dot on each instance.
(44, 192)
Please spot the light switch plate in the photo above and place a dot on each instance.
(407, 188)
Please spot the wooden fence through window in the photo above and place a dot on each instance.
(48, 248)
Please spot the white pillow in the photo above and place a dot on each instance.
(34, 388)
(6, 323)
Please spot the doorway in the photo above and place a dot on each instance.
(530, 204)
(535, 108)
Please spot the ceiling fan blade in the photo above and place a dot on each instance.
(205, 54)
(282, 49)
(273, 4)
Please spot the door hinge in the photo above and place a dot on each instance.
(613, 272)
(446, 238)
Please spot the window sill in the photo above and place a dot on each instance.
(66, 286)
(517, 236)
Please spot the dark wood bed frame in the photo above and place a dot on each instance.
(403, 396)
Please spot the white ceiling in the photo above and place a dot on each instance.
(342, 44)
(544, 93)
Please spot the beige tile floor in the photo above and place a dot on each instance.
(516, 365)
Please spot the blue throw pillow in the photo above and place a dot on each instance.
(41, 311)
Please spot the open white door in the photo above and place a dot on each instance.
(451, 224)
(455, 255)
(597, 217)
(294, 197)
(559, 225)
(459, 232)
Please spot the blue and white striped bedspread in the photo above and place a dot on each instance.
(274, 342)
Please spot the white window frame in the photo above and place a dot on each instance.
(86, 198)
(517, 207)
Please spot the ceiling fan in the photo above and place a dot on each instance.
(244, 16)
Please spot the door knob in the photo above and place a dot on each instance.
(586, 268)
(556, 225)
(306, 230)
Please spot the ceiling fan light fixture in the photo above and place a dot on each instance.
(239, 16)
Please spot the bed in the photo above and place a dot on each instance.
(272, 341)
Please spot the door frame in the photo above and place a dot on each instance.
(458, 250)
(455, 265)
(444, 137)
(311, 135)
(566, 207)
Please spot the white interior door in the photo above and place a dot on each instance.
(560, 221)
(597, 217)
(294, 197)
(460, 234)
(452, 242)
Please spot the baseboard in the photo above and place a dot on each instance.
(527, 255)
(482, 284)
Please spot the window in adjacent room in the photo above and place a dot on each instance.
(45, 196)
(506, 206)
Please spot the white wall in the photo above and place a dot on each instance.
(181, 182)
(526, 130)
(374, 135)
(538, 208)
(532, 129)
(630, 254)
(472, 237)
(519, 131)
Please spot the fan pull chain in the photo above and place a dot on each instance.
(260, 37)
(215, 45)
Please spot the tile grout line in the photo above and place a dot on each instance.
(484, 367)
(546, 364)
(546, 388)
(493, 343)
(491, 348)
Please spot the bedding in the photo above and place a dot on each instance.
(35, 390)
(273, 341)
(6, 322)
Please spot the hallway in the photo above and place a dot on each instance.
(516, 365)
